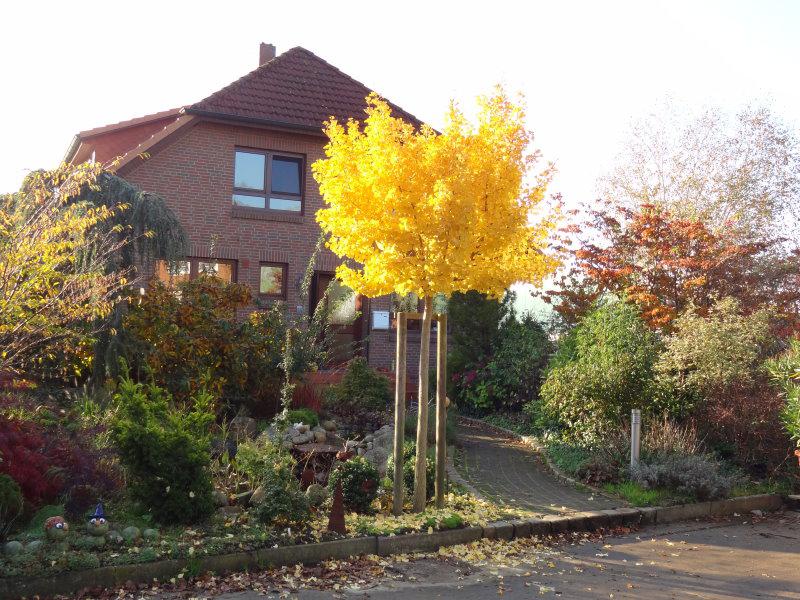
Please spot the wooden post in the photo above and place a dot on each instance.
(399, 414)
(441, 408)
(420, 479)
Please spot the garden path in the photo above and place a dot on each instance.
(508, 471)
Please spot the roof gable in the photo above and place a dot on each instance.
(295, 89)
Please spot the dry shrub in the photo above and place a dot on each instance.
(745, 425)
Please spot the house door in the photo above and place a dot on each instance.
(346, 317)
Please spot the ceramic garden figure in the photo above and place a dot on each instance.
(56, 528)
(98, 524)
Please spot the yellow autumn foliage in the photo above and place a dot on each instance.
(418, 211)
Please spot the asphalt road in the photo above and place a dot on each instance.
(743, 557)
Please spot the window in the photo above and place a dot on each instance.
(183, 270)
(268, 180)
(172, 274)
(272, 281)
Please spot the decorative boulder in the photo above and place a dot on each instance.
(150, 534)
(34, 546)
(258, 495)
(302, 427)
(12, 548)
(384, 439)
(378, 457)
(242, 427)
(219, 497)
(131, 534)
(114, 537)
(316, 495)
(320, 435)
(328, 425)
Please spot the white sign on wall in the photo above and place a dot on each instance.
(380, 319)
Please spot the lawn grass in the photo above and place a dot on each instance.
(637, 495)
(518, 422)
(568, 458)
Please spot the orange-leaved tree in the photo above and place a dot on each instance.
(665, 263)
(423, 212)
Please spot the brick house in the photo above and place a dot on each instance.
(235, 168)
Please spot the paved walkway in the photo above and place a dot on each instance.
(509, 472)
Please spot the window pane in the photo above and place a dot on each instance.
(271, 280)
(172, 274)
(342, 302)
(284, 204)
(221, 270)
(285, 175)
(249, 171)
(245, 200)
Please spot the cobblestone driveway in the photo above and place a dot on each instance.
(509, 472)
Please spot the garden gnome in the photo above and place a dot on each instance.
(336, 519)
(98, 524)
(56, 528)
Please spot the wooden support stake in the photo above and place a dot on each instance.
(399, 415)
(420, 479)
(441, 408)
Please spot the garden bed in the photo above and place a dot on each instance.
(425, 541)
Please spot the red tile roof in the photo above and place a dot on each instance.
(171, 114)
(296, 89)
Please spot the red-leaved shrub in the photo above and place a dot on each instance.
(746, 422)
(49, 462)
(26, 460)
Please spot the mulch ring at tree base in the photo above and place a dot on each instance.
(360, 573)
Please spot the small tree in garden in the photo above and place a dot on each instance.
(417, 211)
(55, 285)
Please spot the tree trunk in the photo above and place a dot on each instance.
(441, 408)
(422, 411)
(399, 414)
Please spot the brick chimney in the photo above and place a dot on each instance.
(266, 52)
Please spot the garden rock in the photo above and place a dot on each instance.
(115, 537)
(12, 548)
(242, 427)
(378, 457)
(302, 427)
(131, 534)
(329, 425)
(320, 435)
(220, 498)
(244, 498)
(34, 546)
(150, 534)
(316, 495)
(229, 511)
(258, 495)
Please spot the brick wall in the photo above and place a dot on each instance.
(194, 174)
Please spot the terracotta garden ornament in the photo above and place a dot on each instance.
(336, 520)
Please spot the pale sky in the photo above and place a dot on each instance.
(586, 68)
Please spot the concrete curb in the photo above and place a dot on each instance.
(117, 576)
(533, 442)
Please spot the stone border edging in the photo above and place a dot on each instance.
(116, 576)
(533, 443)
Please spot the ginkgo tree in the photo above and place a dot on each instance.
(417, 211)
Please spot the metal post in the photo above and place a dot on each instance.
(636, 436)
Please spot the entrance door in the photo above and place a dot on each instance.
(346, 327)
